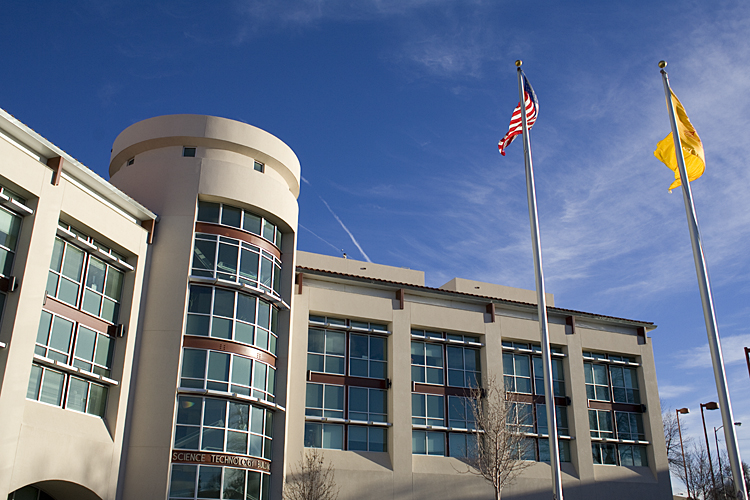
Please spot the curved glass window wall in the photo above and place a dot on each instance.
(191, 482)
(227, 215)
(222, 371)
(234, 260)
(231, 315)
(210, 424)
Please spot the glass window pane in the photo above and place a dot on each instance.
(245, 308)
(224, 303)
(358, 347)
(208, 212)
(95, 277)
(434, 376)
(77, 394)
(313, 435)
(434, 355)
(73, 264)
(253, 485)
(264, 314)
(215, 412)
(249, 265)
(221, 328)
(218, 366)
(358, 399)
(97, 400)
(268, 230)
(57, 252)
(417, 353)
(377, 348)
(333, 437)
(266, 272)
(194, 363)
(435, 443)
(471, 357)
(234, 484)
(227, 261)
(196, 325)
(44, 324)
(62, 330)
(334, 397)
(252, 223)
(357, 438)
(314, 396)
(259, 378)
(68, 292)
(335, 343)
(189, 410)
(241, 370)
(418, 442)
(204, 254)
(257, 422)
(182, 483)
(209, 482)
(91, 302)
(36, 376)
(522, 366)
(200, 299)
(600, 375)
(435, 407)
(213, 439)
(230, 216)
(455, 357)
(52, 386)
(104, 348)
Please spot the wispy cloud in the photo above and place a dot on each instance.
(354, 240)
(321, 239)
(732, 349)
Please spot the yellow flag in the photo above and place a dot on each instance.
(692, 148)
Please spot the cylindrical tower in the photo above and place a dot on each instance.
(206, 413)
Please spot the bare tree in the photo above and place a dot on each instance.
(500, 448)
(672, 438)
(311, 479)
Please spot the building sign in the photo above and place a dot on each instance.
(196, 457)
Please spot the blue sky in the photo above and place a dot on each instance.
(395, 107)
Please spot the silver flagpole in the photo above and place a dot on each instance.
(709, 315)
(541, 299)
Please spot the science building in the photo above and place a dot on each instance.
(162, 338)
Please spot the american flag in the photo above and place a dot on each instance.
(516, 125)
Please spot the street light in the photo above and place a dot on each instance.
(718, 452)
(684, 411)
(712, 405)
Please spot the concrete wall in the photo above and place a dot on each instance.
(41, 443)
(170, 184)
(400, 475)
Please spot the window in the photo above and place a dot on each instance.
(62, 389)
(359, 409)
(427, 443)
(203, 481)
(523, 375)
(260, 167)
(210, 424)
(225, 372)
(237, 261)
(611, 378)
(429, 410)
(326, 351)
(10, 226)
(83, 280)
(327, 348)
(428, 360)
(231, 315)
(365, 406)
(625, 426)
(188, 152)
(131, 161)
(367, 356)
(226, 215)
(86, 351)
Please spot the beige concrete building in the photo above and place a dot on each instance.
(196, 354)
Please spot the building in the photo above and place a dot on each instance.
(179, 347)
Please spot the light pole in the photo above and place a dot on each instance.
(718, 452)
(747, 358)
(711, 405)
(684, 411)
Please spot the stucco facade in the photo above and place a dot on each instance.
(162, 338)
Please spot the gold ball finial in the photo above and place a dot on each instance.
(519, 63)
(662, 64)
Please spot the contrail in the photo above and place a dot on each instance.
(321, 239)
(354, 240)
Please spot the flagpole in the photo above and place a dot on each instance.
(712, 330)
(541, 299)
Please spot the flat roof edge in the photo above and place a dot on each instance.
(75, 169)
(475, 298)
